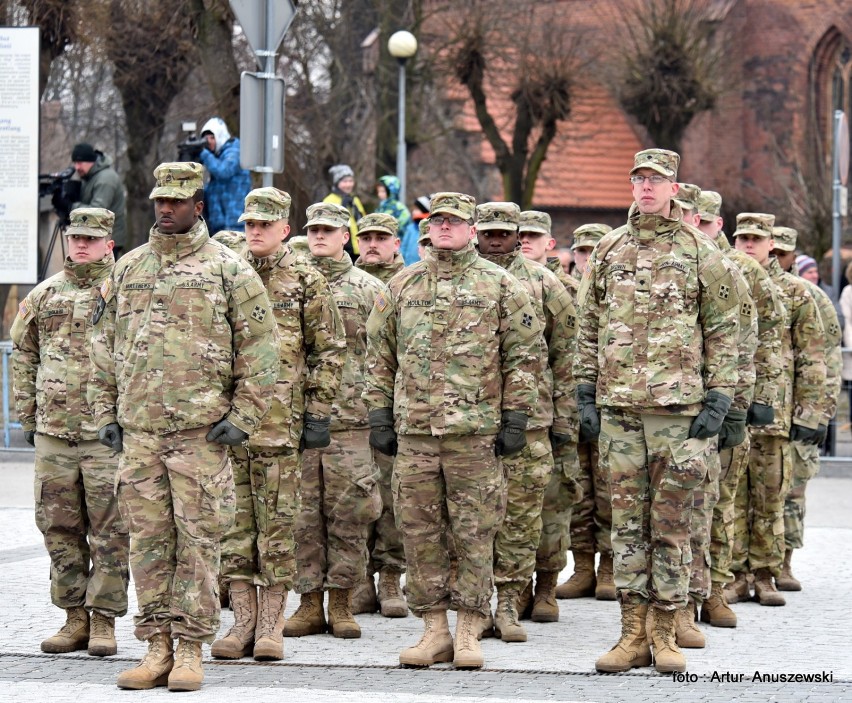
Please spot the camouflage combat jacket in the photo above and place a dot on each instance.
(453, 344)
(801, 396)
(354, 292)
(311, 349)
(658, 315)
(571, 284)
(557, 396)
(770, 322)
(185, 338)
(52, 337)
(383, 271)
(833, 356)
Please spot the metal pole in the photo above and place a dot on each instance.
(401, 149)
(835, 208)
(268, 107)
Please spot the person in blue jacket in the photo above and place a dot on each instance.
(388, 191)
(224, 194)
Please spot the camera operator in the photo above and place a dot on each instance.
(101, 187)
(229, 184)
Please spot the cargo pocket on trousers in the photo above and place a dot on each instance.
(688, 464)
(218, 502)
(368, 506)
(288, 499)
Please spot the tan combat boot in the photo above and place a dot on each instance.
(364, 598)
(486, 627)
(716, 610)
(764, 589)
(102, 635)
(525, 602)
(73, 635)
(545, 607)
(468, 653)
(341, 622)
(187, 673)
(605, 589)
(269, 636)
(391, 600)
(239, 640)
(582, 582)
(632, 650)
(436, 644)
(309, 618)
(687, 634)
(661, 631)
(506, 624)
(786, 581)
(154, 668)
(739, 590)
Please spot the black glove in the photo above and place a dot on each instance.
(823, 433)
(590, 421)
(712, 415)
(760, 415)
(315, 432)
(110, 436)
(382, 433)
(558, 440)
(29, 435)
(805, 435)
(512, 437)
(224, 432)
(733, 429)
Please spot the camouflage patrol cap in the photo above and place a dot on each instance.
(91, 221)
(329, 214)
(535, 221)
(380, 222)
(757, 223)
(505, 216)
(662, 161)
(178, 180)
(458, 204)
(709, 205)
(785, 238)
(589, 235)
(687, 196)
(423, 237)
(268, 204)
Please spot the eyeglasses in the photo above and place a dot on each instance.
(653, 180)
(452, 220)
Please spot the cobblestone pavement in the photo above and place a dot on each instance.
(807, 637)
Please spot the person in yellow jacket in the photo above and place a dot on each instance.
(342, 193)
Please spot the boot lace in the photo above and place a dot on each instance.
(73, 622)
(186, 654)
(663, 630)
(389, 586)
(100, 626)
(271, 605)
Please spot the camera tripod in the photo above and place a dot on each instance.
(58, 232)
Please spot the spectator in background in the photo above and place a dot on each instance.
(342, 193)
(846, 310)
(388, 189)
(101, 187)
(229, 184)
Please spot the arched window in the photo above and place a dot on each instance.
(831, 72)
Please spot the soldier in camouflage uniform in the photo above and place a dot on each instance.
(806, 455)
(752, 406)
(259, 551)
(235, 241)
(340, 491)
(591, 518)
(759, 501)
(453, 362)
(554, 424)
(656, 350)
(76, 510)
(184, 355)
(380, 257)
(687, 198)
(423, 239)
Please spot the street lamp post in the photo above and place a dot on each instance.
(402, 46)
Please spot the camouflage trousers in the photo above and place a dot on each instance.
(704, 503)
(448, 487)
(260, 547)
(591, 519)
(76, 511)
(527, 475)
(654, 471)
(176, 494)
(340, 498)
(560, 495)
(805, 459)
(759, 505)
(734, 461)
(384, 540)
